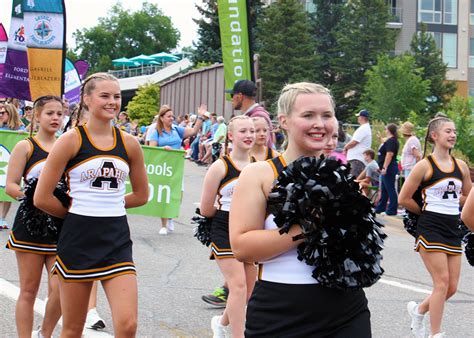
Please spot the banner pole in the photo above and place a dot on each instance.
(250, 35)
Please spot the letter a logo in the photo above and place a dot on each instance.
(105, 177)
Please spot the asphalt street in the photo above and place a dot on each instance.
(174, 271)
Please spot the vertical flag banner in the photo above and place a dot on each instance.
(82, 68)
(234, 41)
(15, 79)
(3, 48)
(72, 83)
(45, 30)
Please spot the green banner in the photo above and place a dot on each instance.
(8, 140)
(165, 177)
(234, 41)
(165, 182)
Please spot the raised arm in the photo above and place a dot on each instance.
(63, 150)
(249, 241)
(16, 166)
(188, 131)
(138, 177)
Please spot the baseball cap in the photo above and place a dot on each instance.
(246, 87)
(363, 113)
(207, 114)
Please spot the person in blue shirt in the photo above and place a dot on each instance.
(169, 136)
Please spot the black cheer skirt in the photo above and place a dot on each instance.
(220, 242)
(94, 248)
(21, 240)
(306, 310)
(438, 233)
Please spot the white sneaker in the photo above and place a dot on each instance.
(170, 225)
(93, 320)
(37, 333)
(219, 330)
(417, 326)
(438, 335)
(163, 231)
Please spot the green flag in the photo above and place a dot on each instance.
(8, 140)
(234, 41)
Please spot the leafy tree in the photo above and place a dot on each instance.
(325, 23)
(287, 52)
(460, 110)
(208, 47)
(362, 35)
(428, 57)
(126, 34)
(144, 105)
(394, 88)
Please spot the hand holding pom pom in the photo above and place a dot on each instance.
(469, 248)
(202, 231)
(342, 239)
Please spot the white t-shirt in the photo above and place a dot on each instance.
(149, 132)
(363, 135)
(408, 159)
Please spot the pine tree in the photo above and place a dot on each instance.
(208, 47)
(325, 22)
(362, 35)
(428, 57)
(287, 52)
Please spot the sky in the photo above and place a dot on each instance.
(85, 14)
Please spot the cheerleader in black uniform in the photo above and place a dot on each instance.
(445, 183)
(260, 151)
(94, 243)
(287, 301)
(34, 251)
(218, 187)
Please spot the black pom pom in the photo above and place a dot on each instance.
(202, 231)
(342, 239)
(469, 248)
(37, 222)
(410, 220)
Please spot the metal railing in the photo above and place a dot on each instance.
(132, 72)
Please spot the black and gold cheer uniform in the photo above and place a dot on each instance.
(288, 302)
(20, 239)
(94, 243)
(437, 226)
(220, 243)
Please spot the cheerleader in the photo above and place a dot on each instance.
(34, 251)
(286, 300)
(260, 151)
(445, 182)
(94, 243)
(218, 187)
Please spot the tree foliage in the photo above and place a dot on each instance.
(126, 34)
(460, 110)
(362, 35)
(428, 57)
(287, 52)
(394, 88)
(144, 105)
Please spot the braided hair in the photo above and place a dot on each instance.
(433, 126)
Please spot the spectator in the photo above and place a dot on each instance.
(205, 129)
(150, 130)
(361, 141)
(10, 119)
(124, 122)
(387, 160)
(243, 99)
(411, 152)
(370, 176)
(213, 148)
(27, 114)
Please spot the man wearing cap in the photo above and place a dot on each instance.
(243, 99)
(360, 142)
(411, 152)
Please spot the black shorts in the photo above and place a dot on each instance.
(21, 240)
(220, 242)
(306, 310)
(438, 233)
(94, 248)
